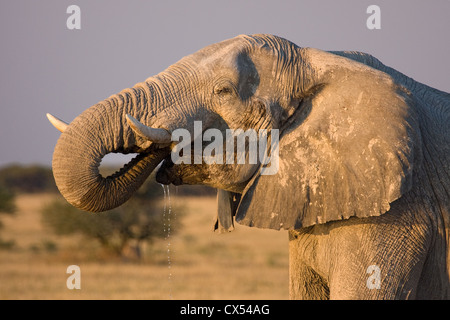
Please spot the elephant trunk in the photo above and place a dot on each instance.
(100, 130)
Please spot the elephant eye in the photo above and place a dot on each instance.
(223, 90)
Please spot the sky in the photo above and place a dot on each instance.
(47, 67)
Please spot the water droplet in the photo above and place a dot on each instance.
(167, 227)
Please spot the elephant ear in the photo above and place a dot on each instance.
(227, 203)
(350, 151)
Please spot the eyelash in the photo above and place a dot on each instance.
(223, 90)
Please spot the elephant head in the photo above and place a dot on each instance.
(348, 143)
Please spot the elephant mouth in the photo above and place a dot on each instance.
(190, 174)
(166, 173)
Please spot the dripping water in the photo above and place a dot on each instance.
(167, 226)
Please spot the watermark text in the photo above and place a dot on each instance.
(241, 147)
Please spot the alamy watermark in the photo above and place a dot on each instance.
(374, 20)
(73, 22)
(74, 280)
(374, 280)
(241, 147)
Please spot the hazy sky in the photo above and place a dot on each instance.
(45, 67)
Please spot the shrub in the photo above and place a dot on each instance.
(7, 204)
(139, 219)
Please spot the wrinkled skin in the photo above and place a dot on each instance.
(364, 176)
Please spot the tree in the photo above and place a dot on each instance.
(27, 179)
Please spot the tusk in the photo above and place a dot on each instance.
(57, 123)
(157, 135)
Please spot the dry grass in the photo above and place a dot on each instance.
(245, 264)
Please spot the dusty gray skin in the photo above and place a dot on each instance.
(364, 169)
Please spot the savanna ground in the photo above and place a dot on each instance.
(247, 263)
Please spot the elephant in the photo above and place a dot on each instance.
(360, 151)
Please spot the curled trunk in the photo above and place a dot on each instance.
(100, 130)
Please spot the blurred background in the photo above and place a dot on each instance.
(160, 245)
